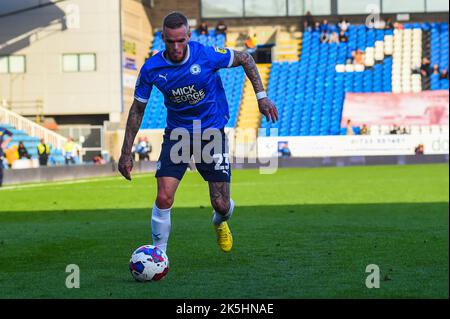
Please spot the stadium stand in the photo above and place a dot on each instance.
(439, 54)
(310, 93)
(406, 57)
(31, 142)
(288, 46)
(318, 87)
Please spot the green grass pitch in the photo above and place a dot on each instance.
(299, 233)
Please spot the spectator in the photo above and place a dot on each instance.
(444, 74)
(284, 151)
(350, 128)
(221, 28)
(98, 159)
(308, 22)
(436, 69)
(334, 38)
(389, 24)
(316, 26)
(398, 26)
(395, 130)
(23, 152)
(12, 154)
(5, 138)
(343, 24)
(203, 29)
(343, 37)
(251, 43)
(325, 27)
(324, 38)
(358, 57)
(364, 130)
(425, 68)
(43, 152)
(71, 151)
(143, 149)
(419, 149)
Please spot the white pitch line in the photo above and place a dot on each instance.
(80, 181)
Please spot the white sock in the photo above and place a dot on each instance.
(160, 227)
(219, 219)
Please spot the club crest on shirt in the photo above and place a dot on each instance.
(220, 50)
(195, 69)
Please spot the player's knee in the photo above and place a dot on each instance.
(221, 206)
(164, 200)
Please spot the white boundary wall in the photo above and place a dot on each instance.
(358, 145)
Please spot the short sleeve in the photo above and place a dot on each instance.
(143, 87)
(220, 57)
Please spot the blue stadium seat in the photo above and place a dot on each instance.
(316, 107)
(439, 53)
(317, 92)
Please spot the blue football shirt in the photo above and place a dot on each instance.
(192, 89)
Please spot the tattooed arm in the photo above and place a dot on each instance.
(265, 105)
(133, 123)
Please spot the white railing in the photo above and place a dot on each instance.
(20, 123)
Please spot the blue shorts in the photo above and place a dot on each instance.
(210, 153)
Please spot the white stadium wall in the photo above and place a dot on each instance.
(357, 145)
(43, 35)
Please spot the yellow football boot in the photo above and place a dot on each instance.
(224, 237)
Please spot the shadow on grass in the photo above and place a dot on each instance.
(291, 251)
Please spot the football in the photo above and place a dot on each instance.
(148, 263)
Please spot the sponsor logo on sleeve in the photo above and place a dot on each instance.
(220, 50)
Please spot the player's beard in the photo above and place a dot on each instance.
(178, 58)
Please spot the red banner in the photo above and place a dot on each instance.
(424, 108)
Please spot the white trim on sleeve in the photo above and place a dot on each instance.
(231, 58)
(141, 99)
